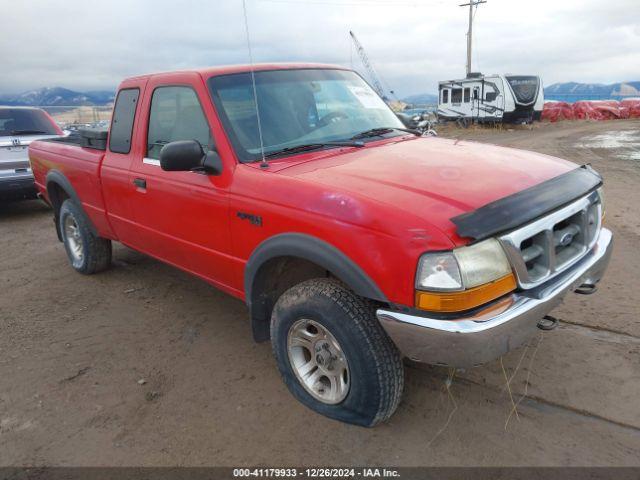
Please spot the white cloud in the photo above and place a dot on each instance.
(412, 43)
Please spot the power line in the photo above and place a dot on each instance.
(356, 4)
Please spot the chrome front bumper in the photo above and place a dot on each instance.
(485, 335)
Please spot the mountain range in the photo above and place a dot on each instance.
(57, 96)
(421, 99)
(570, 91)
(599, 89)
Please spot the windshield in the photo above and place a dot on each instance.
(22, 121)
(297, 107)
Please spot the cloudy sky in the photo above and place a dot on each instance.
(93, 44)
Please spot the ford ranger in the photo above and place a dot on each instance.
(354, 241)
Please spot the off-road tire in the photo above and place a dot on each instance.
(375, 366)
(96, 250)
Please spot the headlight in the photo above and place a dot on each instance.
(463, 268)
(463, 278)
(482, 263)
(439, 272)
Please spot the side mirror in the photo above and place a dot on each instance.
(181, 156)
(212, 163)
(188, 155)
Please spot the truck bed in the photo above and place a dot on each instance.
(80, 165)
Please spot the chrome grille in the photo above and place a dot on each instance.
(546, 247)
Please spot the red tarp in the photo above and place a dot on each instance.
(591, 110)
(554, 111)
(633, 105)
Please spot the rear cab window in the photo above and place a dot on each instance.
(123, 116)
(176, 114)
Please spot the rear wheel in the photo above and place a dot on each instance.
(87, 252)
(333, 354)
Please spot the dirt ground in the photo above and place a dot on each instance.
(146, 365)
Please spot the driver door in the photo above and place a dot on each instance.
(182, 217)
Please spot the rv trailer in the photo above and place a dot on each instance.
(491, 99)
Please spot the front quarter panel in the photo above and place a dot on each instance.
(383, 241)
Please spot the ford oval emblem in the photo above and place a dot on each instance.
(566, 239)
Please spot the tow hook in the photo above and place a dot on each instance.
(548, 322)
(586, 289)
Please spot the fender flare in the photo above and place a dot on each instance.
(55, 177)
(308, 248)
(311, 249)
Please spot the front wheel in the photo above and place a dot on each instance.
(333, 354)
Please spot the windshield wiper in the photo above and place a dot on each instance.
(27, 132)
(376, 132)
(312, 146)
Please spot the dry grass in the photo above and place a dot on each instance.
(85, 114)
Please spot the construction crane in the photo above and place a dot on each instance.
(373, 76)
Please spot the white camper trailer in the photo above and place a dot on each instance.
(491, 99)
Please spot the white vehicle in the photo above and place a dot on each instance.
(491, 99)
(19, 126)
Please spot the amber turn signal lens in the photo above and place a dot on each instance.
(467, 299)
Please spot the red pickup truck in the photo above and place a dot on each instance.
(354, 241)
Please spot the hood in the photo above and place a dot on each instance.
(435, 179)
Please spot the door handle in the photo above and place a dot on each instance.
(140, 182)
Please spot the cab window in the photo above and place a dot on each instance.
(122, 123)
(445, 96)
(176, 114)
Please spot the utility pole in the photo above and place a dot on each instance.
(471, 4)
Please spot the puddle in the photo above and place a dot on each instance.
(627, 143)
